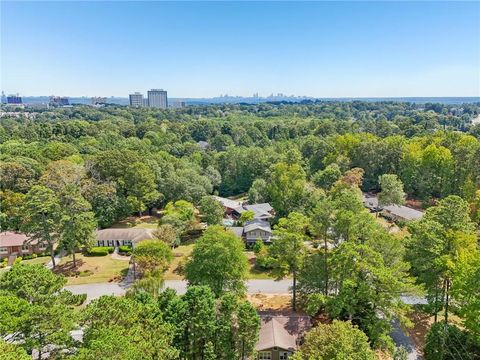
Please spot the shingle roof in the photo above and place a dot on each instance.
(132, 234)
(282, 331)
(10, 238)
(237, 230)
(228, 203)
(261, 211)
(257, 224)
(404, 212)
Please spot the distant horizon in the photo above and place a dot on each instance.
(201, 49)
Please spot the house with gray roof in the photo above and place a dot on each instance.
(262, 211)
(120, 237)
(397, 212)
(254, 230)
(280, 335)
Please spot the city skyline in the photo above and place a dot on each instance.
(330, 49)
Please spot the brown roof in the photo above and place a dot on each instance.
(10, 238)
(284, 332)
(132, 234)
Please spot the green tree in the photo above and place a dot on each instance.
(392, 190)
(258, 192)
(9, 351)
(123, 328)
(167, 234)
(327, 177)
(218, 260)
(141, 187)
(246, 216)
(77, 223)
(212, 210)
(11, 210)
(151, 255)
(336, 341)
(41, 211)
(286, 188)
(289, 247)
(435, 246)
(38, 313)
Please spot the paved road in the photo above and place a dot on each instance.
(94, 291)
(402, 339)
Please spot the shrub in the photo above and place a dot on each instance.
(27, 257)
(100, 251)
(3, 263)
(448, 342)
(18, 260)
(125, 250)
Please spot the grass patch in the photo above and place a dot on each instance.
(39, 260)
(181, 255)
(253, 271)
(92, 269)
(144, 222)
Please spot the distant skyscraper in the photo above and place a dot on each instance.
(4, 98)
(98, 100)
(136, 99)
(59, 101)
(157, 98)
(14, 99)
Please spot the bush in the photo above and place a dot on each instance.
(100, 251)
(448, 342)
(125, 250)
(18, 260)
(3, 263)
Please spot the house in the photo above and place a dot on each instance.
(262, 211)
(120, 237)
(235, 209)
(18, 244)
(396, 212)
(400, 212)
(254, 230)
(280, 335)
(228, 204)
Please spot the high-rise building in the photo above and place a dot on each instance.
(136, 99)
(59, 101)
(4, 98)
(98, 100)
(157, 98)
(14, 99)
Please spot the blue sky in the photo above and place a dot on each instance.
(203, 49)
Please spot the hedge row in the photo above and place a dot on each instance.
(100, 250)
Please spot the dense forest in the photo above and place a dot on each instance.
(132, 160)
(67, 170)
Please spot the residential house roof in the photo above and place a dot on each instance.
(404, 212)
(10, 238)
(261, 211)
(132, 234)
(257, 224)
(228, 203)
(284, 332)
(237, 230)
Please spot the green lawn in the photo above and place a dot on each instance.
(96, 269)
(145, 222)
(39, 260)
(181, 253)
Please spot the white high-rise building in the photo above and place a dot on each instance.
(136, 99)
(157, 98)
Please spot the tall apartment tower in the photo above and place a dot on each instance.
(157, 98)
(136, 99)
